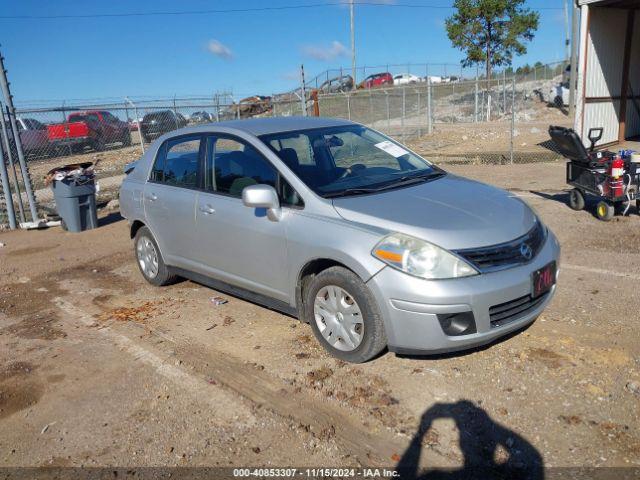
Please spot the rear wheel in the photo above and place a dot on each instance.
(344, 316)
(576, 199)
(98, 144)
(126, 139)
(605, 211)
(150, 260)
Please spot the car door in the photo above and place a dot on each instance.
(170, 197)
(237, 244)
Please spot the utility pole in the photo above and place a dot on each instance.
(353, 44)
(4, 83)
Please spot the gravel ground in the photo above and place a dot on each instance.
(98, 368)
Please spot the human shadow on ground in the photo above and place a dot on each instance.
(490, 450)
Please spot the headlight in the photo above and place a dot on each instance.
(420, 258)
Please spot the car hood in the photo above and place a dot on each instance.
(452, 212)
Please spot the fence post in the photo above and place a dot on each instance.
(504, 91)
(303, 92)
(418, 94)
(429, 106)
(16, 138)
(217, 100)
(6, 190)
(386, 95)
(404, 111)
(12, 165)
(475, 110)
(135, 112)
(349, 106)
(513, 115)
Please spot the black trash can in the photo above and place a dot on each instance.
(76, 202)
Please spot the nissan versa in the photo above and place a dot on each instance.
(337, 224)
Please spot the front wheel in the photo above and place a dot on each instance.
(605, 211)
(344, 316)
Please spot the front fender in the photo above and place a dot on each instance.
(311, 237)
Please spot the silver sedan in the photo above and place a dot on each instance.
(342, 227)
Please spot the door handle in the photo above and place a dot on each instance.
(207, 209)
(152, 197)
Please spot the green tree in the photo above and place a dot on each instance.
(491, 31)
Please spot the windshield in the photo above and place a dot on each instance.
(347, 159)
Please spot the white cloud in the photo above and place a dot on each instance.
(219, 49)
(324, 52)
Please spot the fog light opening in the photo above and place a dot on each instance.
(457, 324)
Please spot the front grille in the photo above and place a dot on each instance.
(513, 310)
(506, 255)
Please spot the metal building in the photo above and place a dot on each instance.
(608, 80)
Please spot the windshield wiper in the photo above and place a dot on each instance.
(397, 182)
(350, 191)
(413, 178)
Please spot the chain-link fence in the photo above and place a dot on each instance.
(447, 119)
(72, 129)
(504, 120)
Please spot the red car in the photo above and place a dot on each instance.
(377, 80)
(94, 128)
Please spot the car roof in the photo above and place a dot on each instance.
(264, 126)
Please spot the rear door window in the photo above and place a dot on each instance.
(178, 162)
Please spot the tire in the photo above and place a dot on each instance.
(638, 207)
(370, 340)
(576, 199)
(98, 144)
(126, 139)
(605, 211)
(149, 259)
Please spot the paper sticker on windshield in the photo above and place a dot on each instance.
(391, 148)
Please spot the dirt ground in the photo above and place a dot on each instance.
(98, 368)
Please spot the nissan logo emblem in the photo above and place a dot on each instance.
(526, 251)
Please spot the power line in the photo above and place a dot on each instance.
(236, 10)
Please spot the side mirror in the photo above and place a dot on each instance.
(263, 196)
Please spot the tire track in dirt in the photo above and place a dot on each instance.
(212, 367)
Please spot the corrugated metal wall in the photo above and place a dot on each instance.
(633, 117)
(605, 47)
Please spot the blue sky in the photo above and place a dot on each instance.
(249, 52)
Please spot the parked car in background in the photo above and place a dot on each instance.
(33, 136)
(92, 128)
(406, 79)
(133, 124)
(158, 123)
(347, 229)
(343, 83)
(201, 117)
(377, 80)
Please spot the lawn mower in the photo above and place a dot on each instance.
(614, 177)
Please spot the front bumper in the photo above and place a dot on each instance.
(410, 305)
